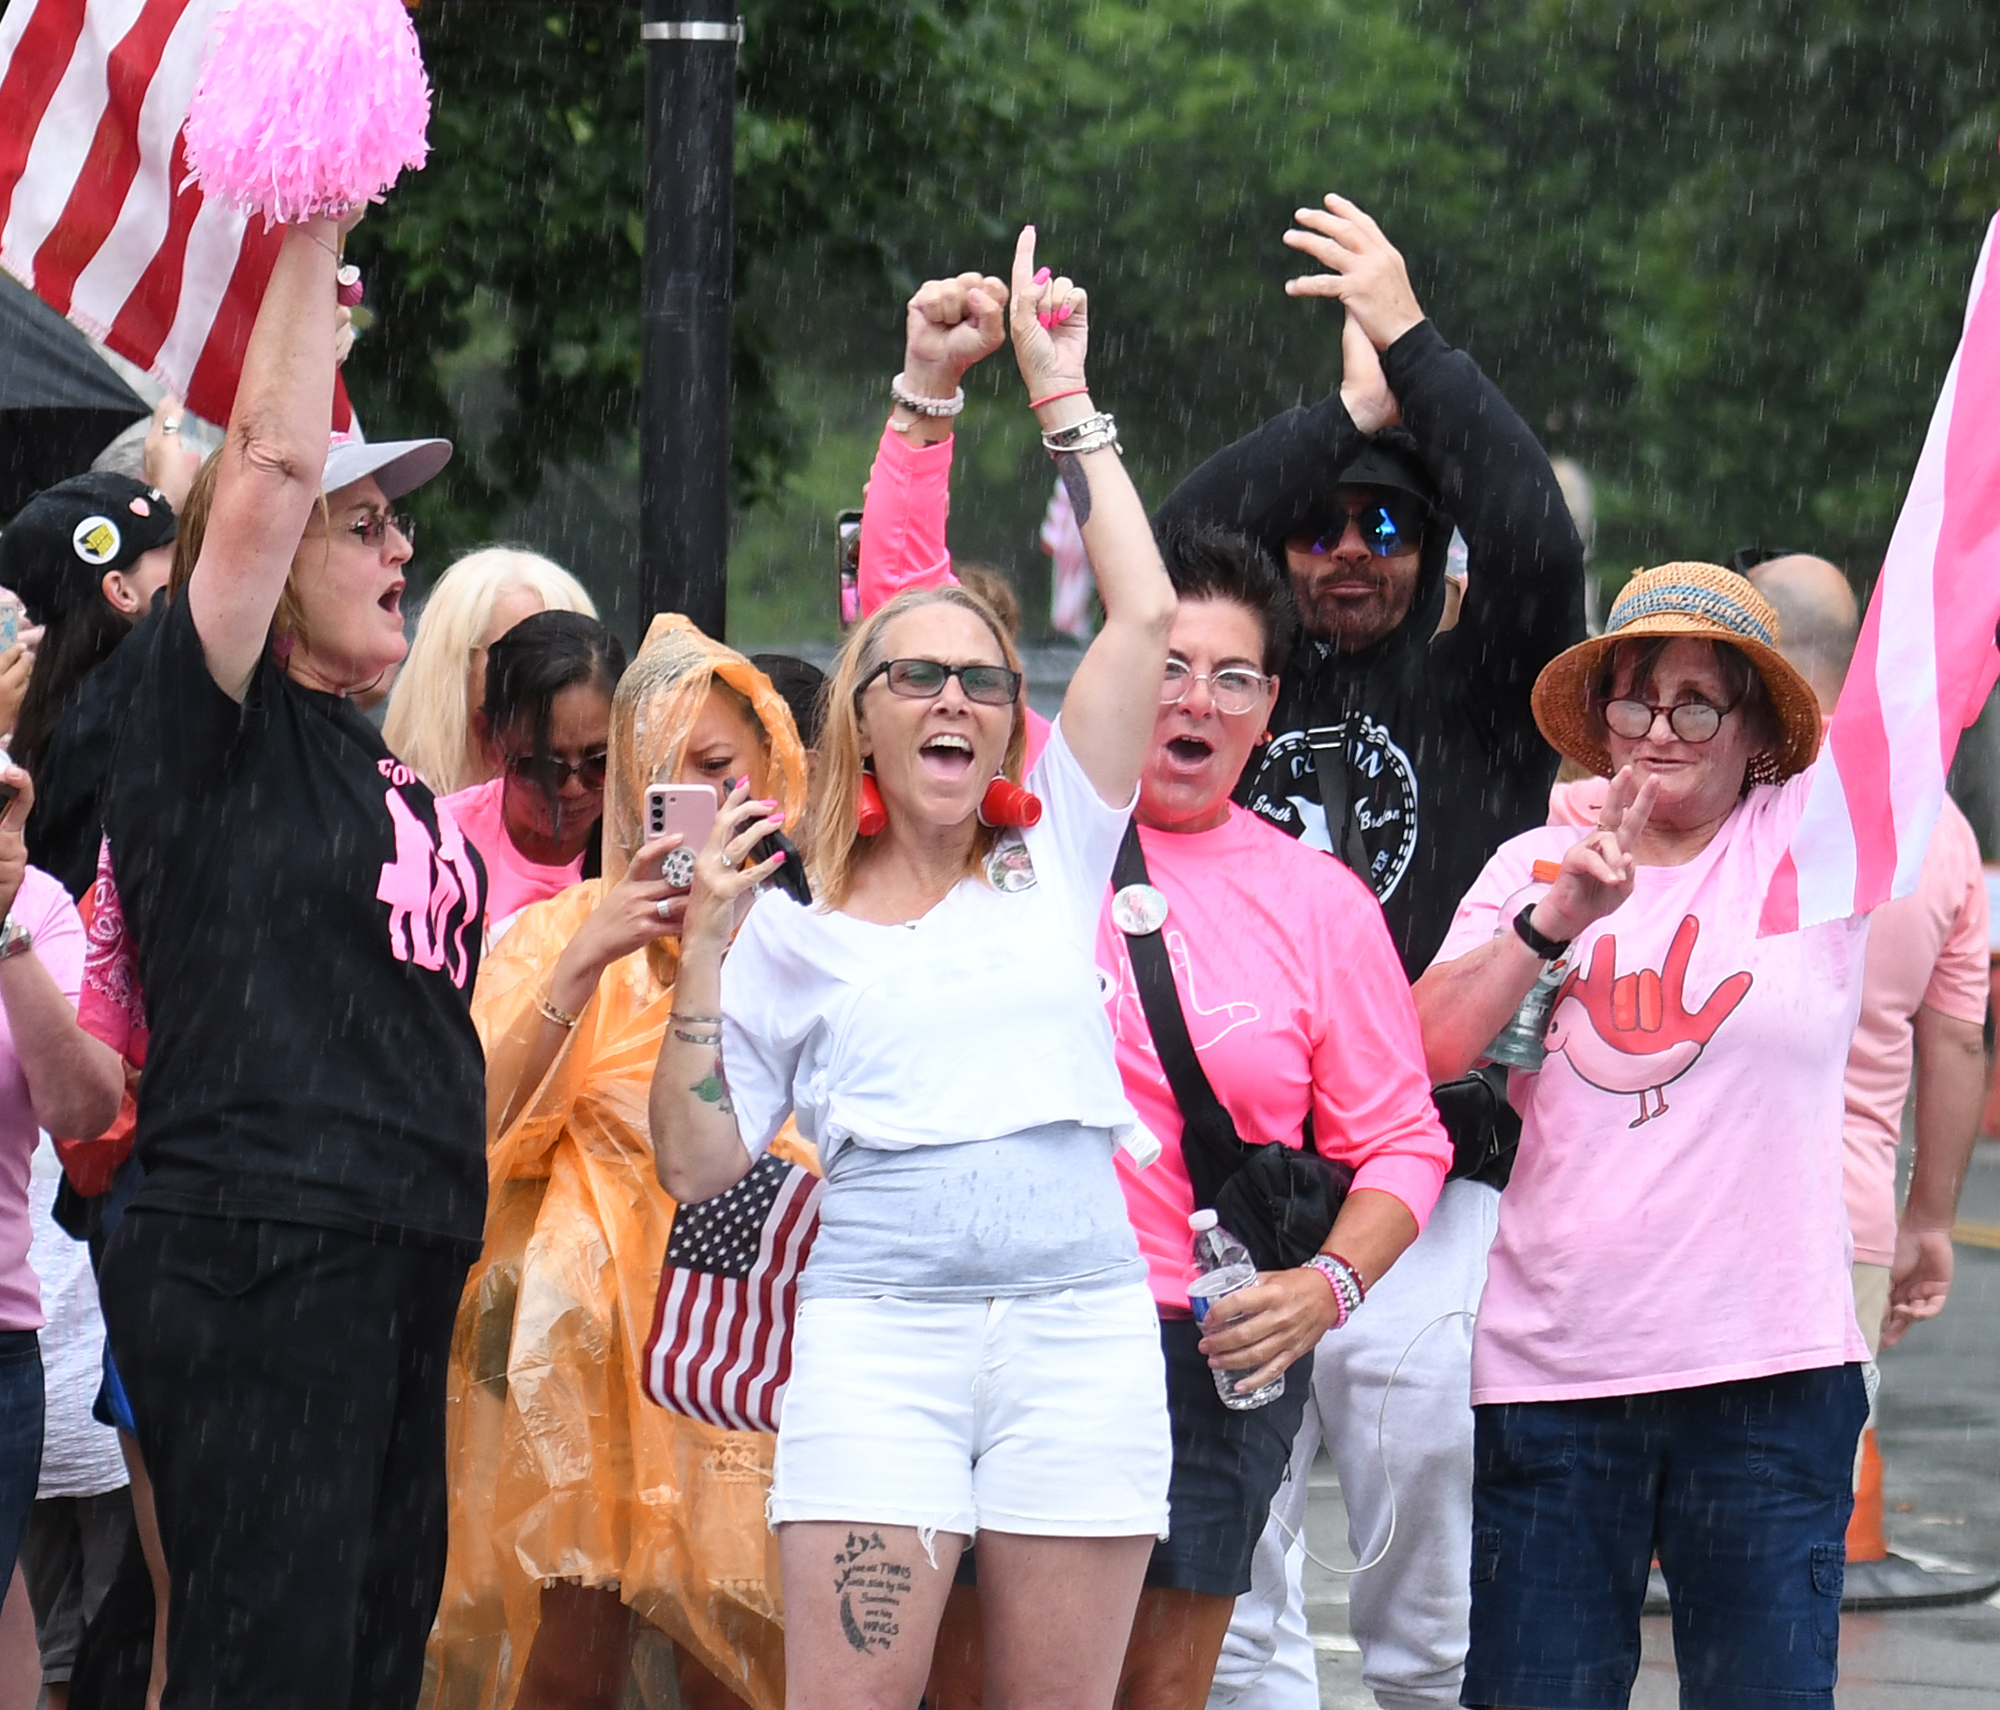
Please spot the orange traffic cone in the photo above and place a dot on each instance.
(1866, 1541)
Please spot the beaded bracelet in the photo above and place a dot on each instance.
(1345, 1283)
(926, 406)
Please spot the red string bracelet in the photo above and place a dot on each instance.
(1057, 397)
(1351, 1271)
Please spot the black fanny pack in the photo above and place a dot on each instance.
(1278, 1200)
(1485, 1130)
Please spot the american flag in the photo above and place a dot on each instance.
(1926, 661)
(93, 216)
(721, 1347)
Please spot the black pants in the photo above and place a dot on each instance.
(288, 1384)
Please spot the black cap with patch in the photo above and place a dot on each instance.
(56, 550)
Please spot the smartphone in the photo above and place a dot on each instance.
(847, 550)
(689, 809)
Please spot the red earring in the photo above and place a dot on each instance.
(870, 816)
(1008, 804)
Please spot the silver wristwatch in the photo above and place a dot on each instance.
(15, 939)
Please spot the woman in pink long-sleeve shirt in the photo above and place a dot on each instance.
(1295, 1002)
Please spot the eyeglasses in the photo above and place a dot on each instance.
(1691, 721)
(1233, 689)
(1389, 525)
(551, 772)
(371, 528)
(924, 680)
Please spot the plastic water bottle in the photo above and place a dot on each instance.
(1520, 1044)
(1222, 1265)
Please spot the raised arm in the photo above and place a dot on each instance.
(950, 324)
(271, 459)
(1108, 712)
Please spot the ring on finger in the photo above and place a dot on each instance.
(664, 908)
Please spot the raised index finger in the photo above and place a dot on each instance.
(1025, 293)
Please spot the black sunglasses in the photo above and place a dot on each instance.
(924, 680)
(551, 771)
(1390, 523)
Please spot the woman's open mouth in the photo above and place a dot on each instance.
(392, 599)
(947, 756)
(1188, 753)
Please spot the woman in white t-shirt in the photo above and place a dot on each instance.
(976, 1347)
(1666, 1360)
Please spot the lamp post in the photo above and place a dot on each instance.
(685, 310)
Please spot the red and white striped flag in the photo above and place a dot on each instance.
(93, 218)
(721, 1347)
(1927, 657)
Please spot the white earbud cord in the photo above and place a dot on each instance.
(1382, 1451)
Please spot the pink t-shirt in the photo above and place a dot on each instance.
(1296, 1003)
(1928, 948)
(512, 880)
(902, 535)
(44, 908)
(1675, 1216)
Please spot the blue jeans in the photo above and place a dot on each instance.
(21, 1414)
(1742, 1489)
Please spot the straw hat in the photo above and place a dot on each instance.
(1700, 600)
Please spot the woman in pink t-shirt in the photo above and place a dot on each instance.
(1666, 1360)
(545, 723)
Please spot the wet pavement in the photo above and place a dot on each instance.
(1940, 1437)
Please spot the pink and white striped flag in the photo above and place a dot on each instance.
(1927, 657)
(93, 216)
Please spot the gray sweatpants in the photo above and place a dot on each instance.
(1408, 1613)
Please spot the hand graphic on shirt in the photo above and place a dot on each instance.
(1221, 1021)
(1640, 1036)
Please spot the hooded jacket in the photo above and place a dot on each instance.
(1442, 758)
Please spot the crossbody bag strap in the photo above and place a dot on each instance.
(1328, 743)
(1210, 1146)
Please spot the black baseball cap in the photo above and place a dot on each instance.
(56, 550)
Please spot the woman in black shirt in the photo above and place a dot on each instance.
(311, 1120)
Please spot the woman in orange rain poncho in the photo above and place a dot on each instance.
(576, 1502)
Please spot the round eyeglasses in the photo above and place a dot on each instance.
(1233, 689)
(924, 680)
(1691, 721)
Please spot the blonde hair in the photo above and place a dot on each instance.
(833, 840)
(429, 719)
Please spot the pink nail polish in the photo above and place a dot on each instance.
(1047, 319)
(1042, 276)
(1065, 312)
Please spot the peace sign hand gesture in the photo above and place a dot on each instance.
(1598, 872)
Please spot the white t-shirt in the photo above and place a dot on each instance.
(982, 1019)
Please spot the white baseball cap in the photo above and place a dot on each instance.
(399, 465)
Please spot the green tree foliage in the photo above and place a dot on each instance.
(520, 241)
(1715, 249)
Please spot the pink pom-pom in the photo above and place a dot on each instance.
(308, 107)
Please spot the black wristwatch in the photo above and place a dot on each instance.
(1549, 949)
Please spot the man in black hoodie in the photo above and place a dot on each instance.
(1411, 755)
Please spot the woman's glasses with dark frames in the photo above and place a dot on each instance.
(551, 771)
(1691, 721)
(924, 680)
(1233, 689)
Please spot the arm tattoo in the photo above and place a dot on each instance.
(871, 1589)
(713, 1089)
(1069, 467)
